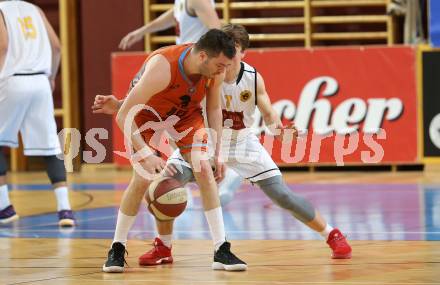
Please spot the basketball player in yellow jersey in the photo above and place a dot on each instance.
(29, 61)
(191, 18)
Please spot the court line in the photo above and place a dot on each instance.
(207, 231)
(55, 278)
(180, 281)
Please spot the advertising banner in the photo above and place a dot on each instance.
(351, 105)
(431, 103)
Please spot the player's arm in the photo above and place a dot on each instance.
(205, 11)
(215, 120)
(270, 116)
(163, 22)
(155, 78)
(56, 48)
(3, 41)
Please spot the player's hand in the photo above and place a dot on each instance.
(153, 164)
(105, 105)
(130, 39)
(170, 169)
(219, 170)
(288, 131)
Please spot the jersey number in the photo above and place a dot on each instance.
(27, 27)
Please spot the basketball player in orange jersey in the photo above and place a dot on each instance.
(29, 60)
(191, 19)
(172, 83)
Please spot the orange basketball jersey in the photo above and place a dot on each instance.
(181, 98)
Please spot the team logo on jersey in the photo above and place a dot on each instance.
(245, 95)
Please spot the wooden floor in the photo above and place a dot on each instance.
(79, 261)
(66, 261)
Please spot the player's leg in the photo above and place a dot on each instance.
(224, 259)
(229, 186)
(40, 138)
(129, 207)
(14, 103)
(257, 166)
(7, 212)
(275, 188)
(56, 172)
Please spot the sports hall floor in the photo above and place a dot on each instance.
(391, 218)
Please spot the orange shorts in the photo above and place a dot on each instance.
(188, 134)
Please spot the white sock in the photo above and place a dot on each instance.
(326, 231)
(4, 197)
(216, 226)
(166, 239)
(123, 226)
(62, 194)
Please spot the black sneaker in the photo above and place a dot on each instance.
(224, 259)
(115, 260)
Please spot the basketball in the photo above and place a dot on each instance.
(166, 198)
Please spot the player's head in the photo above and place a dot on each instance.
(241, 38)
(215, 51)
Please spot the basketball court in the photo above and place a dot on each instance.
(390, 218)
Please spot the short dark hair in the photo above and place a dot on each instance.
(238, 33)
(215, 42)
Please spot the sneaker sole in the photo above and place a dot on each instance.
(9, 220)
(341, 256)
(112, 269)
(66, 223)
(158, 262)
(234, 267)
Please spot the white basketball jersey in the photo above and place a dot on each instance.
(189, 28)
(29, 49)
(239, 99)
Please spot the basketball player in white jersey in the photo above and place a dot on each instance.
(242, 92)
(191, 18)
(29, 61)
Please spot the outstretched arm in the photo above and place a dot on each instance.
(163, 22)
(270, 116)
(205, 11)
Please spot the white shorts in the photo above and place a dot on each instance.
(248, 158)
(26, 106)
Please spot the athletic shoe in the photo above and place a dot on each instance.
(8, 215)
(339, 245)
(66, 218)
(157, 255)
(224, 259)
(116, 259)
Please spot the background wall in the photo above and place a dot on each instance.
(103, 24)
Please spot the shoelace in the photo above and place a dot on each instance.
(339, 237)
(123, 257)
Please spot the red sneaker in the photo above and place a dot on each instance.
(157, 255)
(339, 245)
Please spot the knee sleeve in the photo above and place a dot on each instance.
(184, 174)
(55, 169)
(280, 194)
(3, 163)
